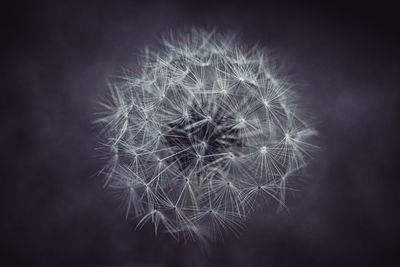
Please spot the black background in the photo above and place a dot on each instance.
(57, 56)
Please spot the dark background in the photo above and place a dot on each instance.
(56, 58)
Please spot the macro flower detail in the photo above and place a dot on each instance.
(200, 133)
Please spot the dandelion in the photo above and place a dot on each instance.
(201, 133)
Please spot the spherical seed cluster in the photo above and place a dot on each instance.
(203, 132)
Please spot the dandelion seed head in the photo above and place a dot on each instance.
(202, 131)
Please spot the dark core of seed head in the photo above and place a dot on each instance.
(217, 134)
